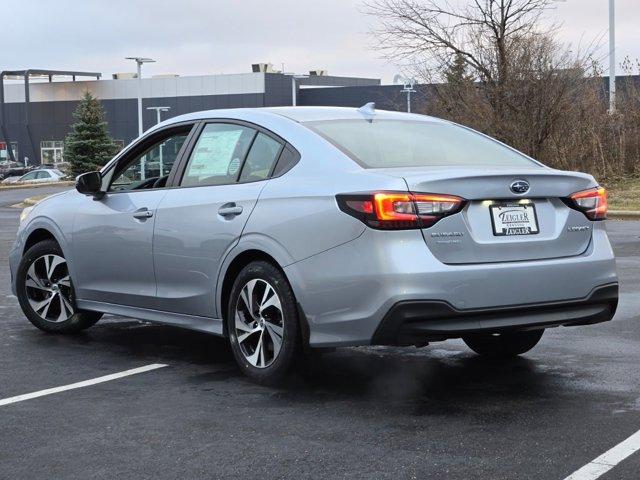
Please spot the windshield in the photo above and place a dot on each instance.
(400, 143)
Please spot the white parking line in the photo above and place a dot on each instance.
(85, 383)
(608, 460)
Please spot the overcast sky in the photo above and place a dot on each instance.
(226, 36)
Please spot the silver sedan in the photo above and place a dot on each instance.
(289, 229)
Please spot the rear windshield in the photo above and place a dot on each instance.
(400, 143)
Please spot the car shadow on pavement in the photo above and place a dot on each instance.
(417, 382)
(425, 381)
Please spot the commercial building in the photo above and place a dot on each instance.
(36, 106)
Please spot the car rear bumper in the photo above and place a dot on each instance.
(347, 292)
(417, 322)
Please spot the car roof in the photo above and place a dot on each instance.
(316, 114)
(297, 114)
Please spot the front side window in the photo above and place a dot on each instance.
(149, 169)
(43, 174)
(218, 155)
(400, 143)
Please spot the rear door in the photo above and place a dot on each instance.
(202, 218)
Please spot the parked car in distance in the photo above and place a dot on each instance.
(288, 229)
(12, 169)
(41, 175)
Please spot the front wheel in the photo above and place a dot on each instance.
(45, 291)
(503, 345)
(262, 321)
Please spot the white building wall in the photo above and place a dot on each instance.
(151, 88)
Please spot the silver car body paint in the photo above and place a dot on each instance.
(170, 267)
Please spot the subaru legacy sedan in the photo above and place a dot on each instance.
(291, 229)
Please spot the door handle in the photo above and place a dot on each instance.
(142, 214)
(230, 209)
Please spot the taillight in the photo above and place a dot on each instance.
(592, 202)
(399, 210)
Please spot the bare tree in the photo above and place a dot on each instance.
(436, 32)
(497, 70)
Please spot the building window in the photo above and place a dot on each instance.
(51, 152)
(4, 152)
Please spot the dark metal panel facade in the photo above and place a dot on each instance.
(386, 97)
(53, 120)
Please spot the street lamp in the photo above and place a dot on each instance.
(408, 84)
(158, 110)
(158, 120)
(612, 54)
(139, 61)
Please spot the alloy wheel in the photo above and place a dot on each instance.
(259, 323)
(48, 288)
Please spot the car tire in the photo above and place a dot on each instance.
(262, 323)
(45, 291)
(503, 345)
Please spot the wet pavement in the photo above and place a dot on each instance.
(376, 412)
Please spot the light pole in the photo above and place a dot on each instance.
(139, 61)
(158, 120)
(612, 56)
(408, 84)
(158, 110)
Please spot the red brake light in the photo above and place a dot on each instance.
(592, 202)
(399, 210)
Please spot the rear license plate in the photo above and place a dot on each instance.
(513, 219)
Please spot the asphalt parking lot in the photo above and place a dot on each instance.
(435, 412)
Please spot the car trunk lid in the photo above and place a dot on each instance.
(477, 234)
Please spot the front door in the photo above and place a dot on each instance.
(113, 236)
(199, 222)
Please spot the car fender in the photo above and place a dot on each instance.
(41, 220)
(252, 241)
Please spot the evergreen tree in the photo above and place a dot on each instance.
(88, 146)
(456, 72)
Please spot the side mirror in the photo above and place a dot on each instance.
(90, 183)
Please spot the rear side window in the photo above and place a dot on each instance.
(263, 154)
(288, 159)
(218, 155)
(400, 143)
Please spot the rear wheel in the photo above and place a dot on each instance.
(503, 345)
(262, 321)
(45, 291)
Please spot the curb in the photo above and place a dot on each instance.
(35, 185)
(624, 214)
(31, 201)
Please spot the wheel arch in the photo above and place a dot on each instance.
(36, 236)
(41, 229)
(234, 266)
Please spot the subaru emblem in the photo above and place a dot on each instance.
(519, 187)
